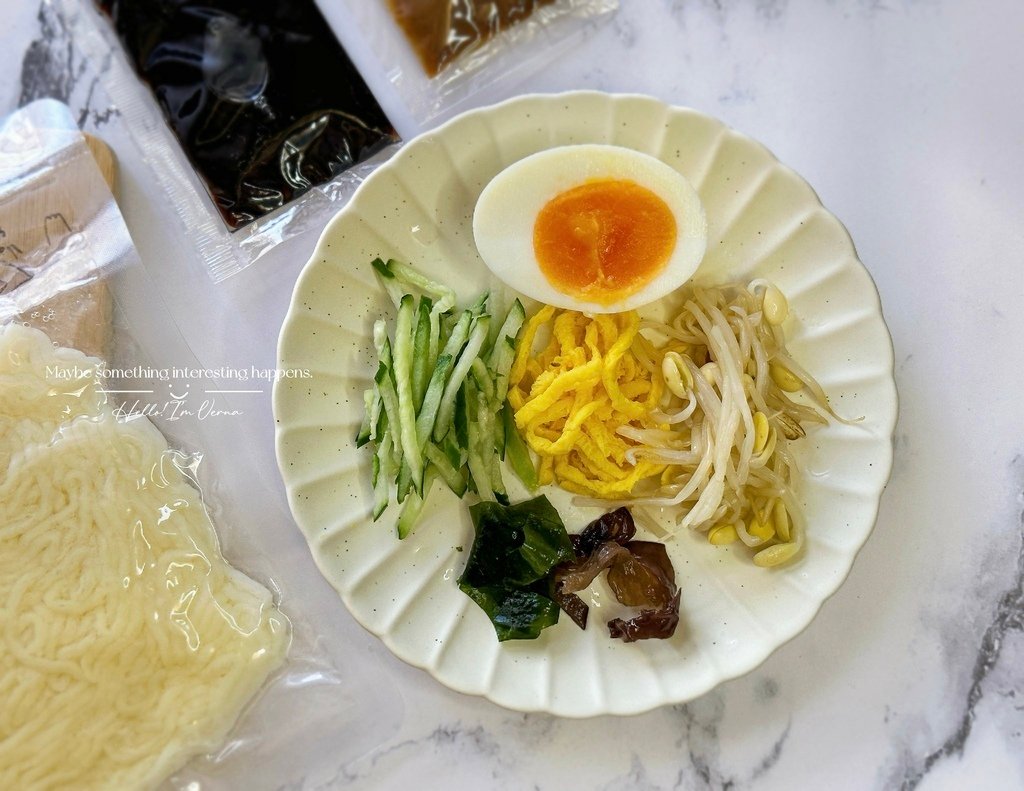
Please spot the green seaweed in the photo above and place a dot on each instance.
(513, 552)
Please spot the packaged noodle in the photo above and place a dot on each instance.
(129, 645)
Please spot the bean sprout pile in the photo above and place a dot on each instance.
(726, 418)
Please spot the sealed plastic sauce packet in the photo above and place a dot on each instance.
(269, 139)
(133, 649)
(438, 54)
(251, 117)
(261, 96)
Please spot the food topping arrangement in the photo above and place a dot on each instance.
(524, 567)
(690, 413)
(436, 406)
(595, 228)
(727, 417)
(640, 574)
(571, 399)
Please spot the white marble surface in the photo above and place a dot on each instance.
(907, 118)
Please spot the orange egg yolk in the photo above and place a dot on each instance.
(603, 240)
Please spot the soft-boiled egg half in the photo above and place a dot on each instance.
(594, 228)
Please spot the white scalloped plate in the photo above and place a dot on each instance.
(764, 221)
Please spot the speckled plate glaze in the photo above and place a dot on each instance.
(764, 221)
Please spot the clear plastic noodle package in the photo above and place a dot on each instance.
(438, 54)
(132, 650)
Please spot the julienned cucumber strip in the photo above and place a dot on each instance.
(459, 334)
(404, 483)
(385, 382)
(432, 400)
(374, 417)
(448, 472)
(479, 307)
(421, 351)
(409, 514)
(460, 421)
(479, 468)
(381, 342)
(408, 276)
(413, 506)
(377, 415)
(486, 421)
(499, 430)
(367, 427)
(482, 379)
(516, 452)
(387, 279)
(476, 340)
(403, 384)
(434, 337)
(496, 482)
(456, 455)
(487, 410)
(382, 468)
(509, 329)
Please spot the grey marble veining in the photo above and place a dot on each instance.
(994, 678)
(904, 116)
(53, 66)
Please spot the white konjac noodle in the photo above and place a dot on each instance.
(127, 643)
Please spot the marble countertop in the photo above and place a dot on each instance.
(905, 116)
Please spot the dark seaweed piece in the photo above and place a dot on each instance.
(513, 553)
(517, 613)
(617, 526)
(517, 544)
(657, 624)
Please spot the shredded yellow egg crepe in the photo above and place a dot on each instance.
(572, 397)
(127, 643)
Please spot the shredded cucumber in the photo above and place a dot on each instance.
(477, 336)
(432, 401)
(449, 472)
(421, 351)
(411, 277)
(516, 452)
(387, 279)
(479, 468)
(370, 414)
(406, 425)
(384, 381)
(382, 472)
(437, 406)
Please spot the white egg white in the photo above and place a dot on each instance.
(507, 209)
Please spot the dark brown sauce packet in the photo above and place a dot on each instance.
(262, 97)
